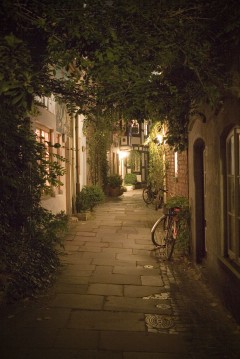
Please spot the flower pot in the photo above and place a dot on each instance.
(84, 216)
(114, 192)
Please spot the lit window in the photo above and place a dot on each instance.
(135, 127)
(176, 164)
(59, 154)
(43, 136)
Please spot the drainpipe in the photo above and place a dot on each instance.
(77, 154)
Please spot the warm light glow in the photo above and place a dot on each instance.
(160, 138)
(123, 154)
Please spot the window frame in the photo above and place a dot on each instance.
(233, 194)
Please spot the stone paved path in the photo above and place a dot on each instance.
(115, 298)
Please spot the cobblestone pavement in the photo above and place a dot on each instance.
(117, 298)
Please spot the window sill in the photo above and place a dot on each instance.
(231, 266)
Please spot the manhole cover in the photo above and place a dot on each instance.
(154, 321)
(163, 306)
(148, 266)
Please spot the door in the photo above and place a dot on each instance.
(200, 195)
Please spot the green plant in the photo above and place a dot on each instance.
(30, 264)
(88, 198)
(97, 130)
(156, 170)
(134, 160)
(184, 233)
(130, 179)
(115, 181)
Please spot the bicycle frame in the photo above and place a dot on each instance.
(173, 213)
(165, 230)
(151, 195)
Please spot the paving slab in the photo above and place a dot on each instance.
(152, 280)
(115, 279)
(116, 298)
(76, 338)
(130, 270)
(107, 320)
(74, 301)
(70, 279)
(138, 305)
(143, 342)
(105, 289)
(142, 291)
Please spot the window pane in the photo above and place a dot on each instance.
(231, 194)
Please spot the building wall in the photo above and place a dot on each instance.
(176, 173)
(47, 120)
(208, 203)
(53, 118)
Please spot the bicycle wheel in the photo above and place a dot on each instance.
(159, 232)
(147, 195)
(170, 239)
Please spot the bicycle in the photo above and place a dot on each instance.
(151, 194)
(165, 230)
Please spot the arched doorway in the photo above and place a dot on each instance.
(199, 180)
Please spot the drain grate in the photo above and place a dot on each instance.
(154, 321)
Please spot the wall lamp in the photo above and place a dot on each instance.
(158, 140)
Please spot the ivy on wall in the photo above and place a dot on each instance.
(156, 172)
(99, 138)
(133, 161)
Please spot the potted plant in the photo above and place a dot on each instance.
(115, 183)
(87, 199)
(130, 180)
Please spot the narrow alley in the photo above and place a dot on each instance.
(116, 298)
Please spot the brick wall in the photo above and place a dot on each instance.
(177, 173)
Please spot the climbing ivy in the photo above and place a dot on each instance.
(156, 169)
(99, 139)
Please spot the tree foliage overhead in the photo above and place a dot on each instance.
(109, 60)
(152, 59)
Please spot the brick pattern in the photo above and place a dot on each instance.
(177, 183)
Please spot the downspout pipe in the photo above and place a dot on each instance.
(77, 154)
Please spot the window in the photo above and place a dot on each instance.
(175, 164)
(146, 128)
(59, 155)
(44, 137)
(48, 102)
(135, 127)
(233, 194)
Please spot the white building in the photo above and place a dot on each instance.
(53, 124)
